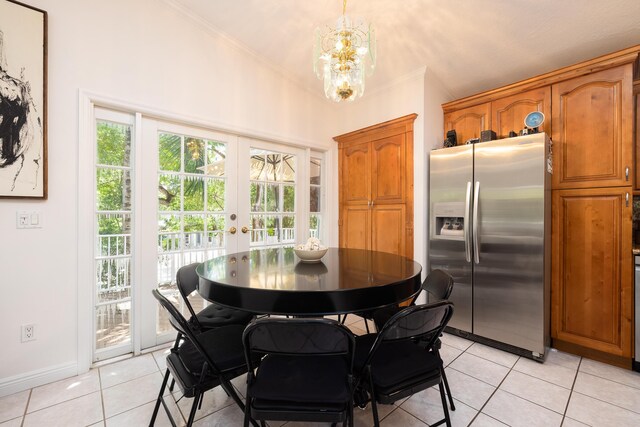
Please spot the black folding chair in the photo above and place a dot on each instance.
(438, 284)
(213, 315)
(201, 361)
(400, 361)
(306, 373)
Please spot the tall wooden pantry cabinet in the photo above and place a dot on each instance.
(376, 187)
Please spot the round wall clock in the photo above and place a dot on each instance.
(534, 119)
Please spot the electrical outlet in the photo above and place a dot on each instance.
(28, 332)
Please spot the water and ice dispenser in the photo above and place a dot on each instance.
(448, 221)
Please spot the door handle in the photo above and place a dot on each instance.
(233, 230)
(467, 225)
(244, 229)
(476, 224)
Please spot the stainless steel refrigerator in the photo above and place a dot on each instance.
(489, 227)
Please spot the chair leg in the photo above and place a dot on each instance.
(444, 406)
(446, 386)
(366, 324)
(159, 400)
(374, 406)
(344, 318)
(247, 409)
(194, 408)
(228, 388)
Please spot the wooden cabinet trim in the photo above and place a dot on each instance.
(382, 130)
(611, 60)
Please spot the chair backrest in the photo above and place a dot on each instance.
(301, 337)
(439, 285)
(422, 323)
(181, 324)
(187, 281)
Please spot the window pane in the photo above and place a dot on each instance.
(169, 233)
(257, 168)
(289, 198)
(215, 195)
(314, 171)
(169, 193)
(194, 237)
(288, 168)
(273, 229)
(215, 230)
(113, 324)
(169, 152)
(113, 189)
(193, 194)
(194, 156)
(113, 279)
(114, 143)
(314, 199)
(288, 229)
(216, 157)
(314, 226)
(273, 198)
(257, 197)
(258, 234)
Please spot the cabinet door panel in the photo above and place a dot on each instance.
(592, 269)
(507, 114)
(388, 229)
(356, 166)
(593, 130)
(388, 176)
(356, 227)
(468, 122)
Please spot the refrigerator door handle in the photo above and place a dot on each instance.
(467, 225)
(476, 224)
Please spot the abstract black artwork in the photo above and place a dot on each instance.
(23, 78)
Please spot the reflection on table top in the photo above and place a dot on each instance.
(275, 281)
(280, 269)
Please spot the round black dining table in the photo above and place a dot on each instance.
(276, 281)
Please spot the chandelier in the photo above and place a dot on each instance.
(343, 55)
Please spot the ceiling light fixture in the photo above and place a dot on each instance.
(343, 55)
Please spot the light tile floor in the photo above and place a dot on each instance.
(490, 388)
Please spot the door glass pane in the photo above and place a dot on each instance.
(272, 198)
(113, 220)
(192, 211)
(315, 198)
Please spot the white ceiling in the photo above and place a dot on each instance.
(470, 45)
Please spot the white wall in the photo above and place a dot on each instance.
(435, 95)
(147, 53)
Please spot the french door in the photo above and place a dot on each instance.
(195, 194)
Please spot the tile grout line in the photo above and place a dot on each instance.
(492, 394)
(104, 414)
(26, 407)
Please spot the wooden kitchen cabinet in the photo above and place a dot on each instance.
(376, 187)
(593, 130)
(508, 113)
(592, 273)
(468, 122)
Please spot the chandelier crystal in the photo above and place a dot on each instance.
(343, 55)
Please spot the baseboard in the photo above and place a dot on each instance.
(37, 378)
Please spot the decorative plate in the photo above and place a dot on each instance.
(534, 119)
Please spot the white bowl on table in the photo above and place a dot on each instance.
(310, 256)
